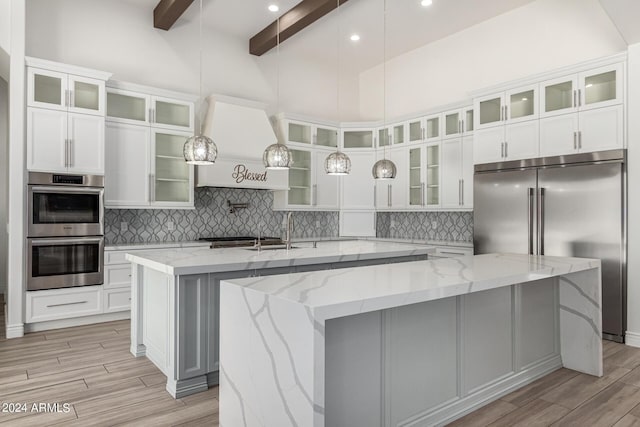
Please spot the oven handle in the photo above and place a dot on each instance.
(66, 241)
(62, 190)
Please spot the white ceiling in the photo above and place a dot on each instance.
(409, 25)
(624, 14)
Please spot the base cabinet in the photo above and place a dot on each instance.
(57, 304)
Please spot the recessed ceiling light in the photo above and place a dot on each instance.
(354, 37)
(426, 3)
(525, 99)
(273, 8)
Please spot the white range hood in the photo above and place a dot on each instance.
(241, 129)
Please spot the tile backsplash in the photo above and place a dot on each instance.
(449, 226)
(211, 218)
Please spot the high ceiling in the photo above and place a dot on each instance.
(409, 25)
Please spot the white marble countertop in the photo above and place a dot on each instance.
(161, 245)
(338, 293)
(199, 260)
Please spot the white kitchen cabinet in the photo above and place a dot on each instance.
(433, 175)
(58, 141)
(595, 88)
(116, 300)
(390, 135)
(457, 122)
(310, 188)
(425, 129)
(126, 182)
(508, 107)
(145, 136)
(357, 139)
(391, 194)
(423, 182)
(300, 132)
(57, 304)
(514, 141)
(65, 118)
(457, 173)
(586, 131)
(358, 188)
(57, 90)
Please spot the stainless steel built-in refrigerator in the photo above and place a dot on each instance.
(564, 206)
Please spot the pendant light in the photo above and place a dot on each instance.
(337, 163)
(384, 168)
(200, 149)
(277, 156)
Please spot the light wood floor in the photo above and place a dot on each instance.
(91, 368)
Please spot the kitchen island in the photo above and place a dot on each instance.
(412, 344)
(175, 297)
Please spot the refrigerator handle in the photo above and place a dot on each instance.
(530, 215)
(541, 222)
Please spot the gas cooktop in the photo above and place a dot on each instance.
(240, 241)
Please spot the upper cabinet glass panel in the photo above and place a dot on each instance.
(383, 137)
(358, 139)
(48, 89)
(452, 124)
(559, 96)
(128, 107)
(299, 133)
(172, 114)
(398, 134)
(86, 95)
(490, 111)
(415, 131)
(468, 120)
(416, 188)
(600, 87)
(326, 137)
(433, 127)
(522, 104)
(172, 174)
(300, 178)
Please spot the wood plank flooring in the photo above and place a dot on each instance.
(90, 368)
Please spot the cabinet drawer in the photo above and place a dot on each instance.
(450, 252)
(63, 303)
(115, 257)
(117, 276)
(117, 300)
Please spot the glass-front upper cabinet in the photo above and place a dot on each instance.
(416, 130)
(397, 137)
(172, 178)
(600, 87)
(490, 111)
(392, 135)
(467, 120)
(300, 178)
(60, 91)
(521, 104)
(452, 124)
(299, 133)
(357, 138)
(128, 107)
(171, 113)
(383, 138)
(433, 130)
(416, 183)
(432, 198)
(326, 136)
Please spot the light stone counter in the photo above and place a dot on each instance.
(417, 343)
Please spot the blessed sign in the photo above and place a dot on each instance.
(241, 173)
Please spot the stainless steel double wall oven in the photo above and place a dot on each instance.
(65, 231)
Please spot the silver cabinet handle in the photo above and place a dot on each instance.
(71, 152)
(575, 140)
(502, 150)
(388, 195)
(506, 149)
(151, 186)
(580, 139)
(579, 97)
(575, 103)
(459, 192)
(541, 222)
(422, 195)
(423, 132)
(150, 115)
(71, 100)
(315, 194)
(506, 113)
(375, 196)
(66, 153)
(67, 303)
(462, 190)
(530, 215)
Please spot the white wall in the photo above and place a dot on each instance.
(4, 182)
(633, 265)
(537, 37)
(118, 36)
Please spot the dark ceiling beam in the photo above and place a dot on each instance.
(167, 12)
(292, 22)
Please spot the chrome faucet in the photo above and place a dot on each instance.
(289, 231)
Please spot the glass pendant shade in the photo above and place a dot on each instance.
(384, 169)
(337, 164)
(277, 156)
(200, 150)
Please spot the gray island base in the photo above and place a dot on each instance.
(175, 297)
(412, 344)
